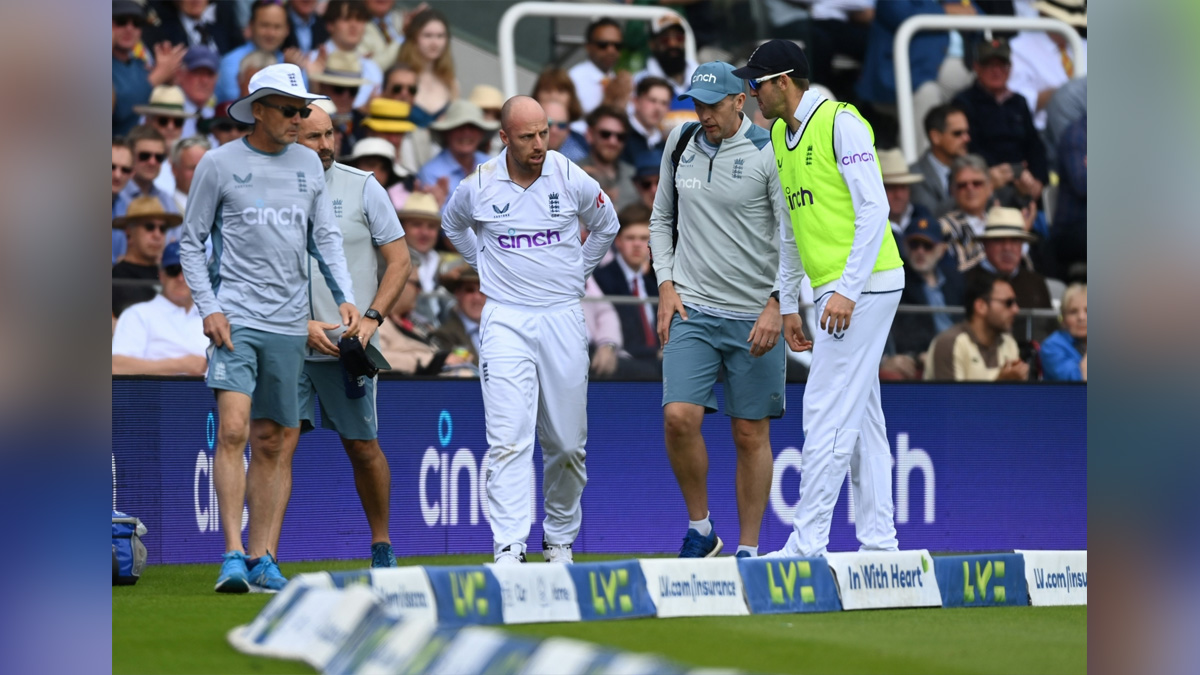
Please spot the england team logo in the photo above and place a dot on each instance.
(554, 209)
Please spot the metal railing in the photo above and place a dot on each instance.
(904, 89)
(506, 31)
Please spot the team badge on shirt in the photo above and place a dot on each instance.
(600, 200)
(337, 208)
(553, 203)
(301, 181)
(738, 165)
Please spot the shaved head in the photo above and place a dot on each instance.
(520, 111)
(318, 117)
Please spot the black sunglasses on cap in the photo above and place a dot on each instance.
(289, 111)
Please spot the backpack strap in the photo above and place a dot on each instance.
(685, 137)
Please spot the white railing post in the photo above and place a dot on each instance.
(904, 89)
(506, 33)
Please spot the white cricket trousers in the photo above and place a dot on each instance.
(844, 429)
(533, 367)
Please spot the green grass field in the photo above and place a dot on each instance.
(173, 622)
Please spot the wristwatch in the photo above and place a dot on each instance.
(775, 294)
(372, 314)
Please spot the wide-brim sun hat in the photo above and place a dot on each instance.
(895, 170)
(1005, 223)
(146, 208)
(342, 69)
(463, 113)
(389, 117)
(283, 79)
(165, 101)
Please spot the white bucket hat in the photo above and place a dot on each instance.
(284, 79)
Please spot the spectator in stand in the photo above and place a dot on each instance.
(1067, 105)
(980, 348)
(667, 59)
(132, 79)
(165, 335)
(460, 324)
(593, 75)
(1042, 61)
(1002, 130)
(384, 32)
(248, 67)
(198, 80)
(1003, 239)
(490, 100)
(184, 157)
(971, 190)
(306, 30)
(1064, 353)
(389, 120)
(647, 111)
(1070, 216)
(607, 130)
(630, 274)
(149, 155)
(145, 225)
(346, 21)
(897, 183)
(927, 284)
(555, 85)
(426, 50)
(422, 221)
(400, 84)
(266, 30)
(935, 57)
(406, 340)
(376, 156)
(460, 131)
(645, 176)
(222, 128)
(948, 133)
(166, 113)
(196, 23)
(563, 138)
(342, 80)
(122, 169)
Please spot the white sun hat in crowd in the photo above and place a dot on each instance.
(284, 79)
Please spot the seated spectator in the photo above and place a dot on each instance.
(384, 33)
(647, 111)
(669, 62)
(607, 130)
(980, 348)
(266, 32)
(490, 100)
(562, 138)
(221, 128)
(459, 132)
(630, 274)
(389, 120)
(460, 324)
(184, 157)
(145, 224)
(1070, 215)
(306, 31)
(1067, 105)
(971, 189)
(593, 75)
(122, 168)
(1002, 130)
(554, 84)
(422, 221)
(165, 113)
(645, 176)
(400, 84)
(198, 80)
(603, 330)
(1042, 60)
(248, 67)
(341, 80)
(426, 50)
(926, 284)
(406, 340)
(1002, 241)
(131, 80)
(165, 335)
(376, 156)
(149, 154)
(1064, 353)
(948, 133)
(196, 23)
(346, 21)
(898, 182)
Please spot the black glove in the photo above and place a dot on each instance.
(355, 359)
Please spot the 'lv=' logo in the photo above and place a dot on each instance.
(983, 576)
(604, 596)
(788, 573)
(463, 587)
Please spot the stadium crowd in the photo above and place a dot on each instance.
(990, 220)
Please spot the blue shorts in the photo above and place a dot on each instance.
(692, 360)
(351, 418)
(264, 366)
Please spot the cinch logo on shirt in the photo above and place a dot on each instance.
(288, 215)
(798, 198)
(513, 240)
(858, 157)
(689, 183)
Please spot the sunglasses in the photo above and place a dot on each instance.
(606, 44)
(766, 78)
(398, 88)
(338, 90)
(227, 126)
(290, 111)
(608, 135)
(646, 183)
(559, 125)
(176, 122)
(159, 157)
(161, 227)
(920, 245)
(173, 270)
(968, 184)
(126, 170)
(958, 133)
(1007, 302)
(124, 21)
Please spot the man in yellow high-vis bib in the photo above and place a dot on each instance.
(839, 236)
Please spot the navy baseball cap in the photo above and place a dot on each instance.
(712, 82)
(924, 228)
(201, 57)
(128, 8)
(775, 56)
(170, 255)
(648, 163)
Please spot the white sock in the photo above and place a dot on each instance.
(704, 527)
(752, 550)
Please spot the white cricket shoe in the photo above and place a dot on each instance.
(507, 557)
(557, 553)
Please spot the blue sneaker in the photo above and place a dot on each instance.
(382, 556)
(697, 546)
(234, 577)
(266, 577)
(742, 554)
